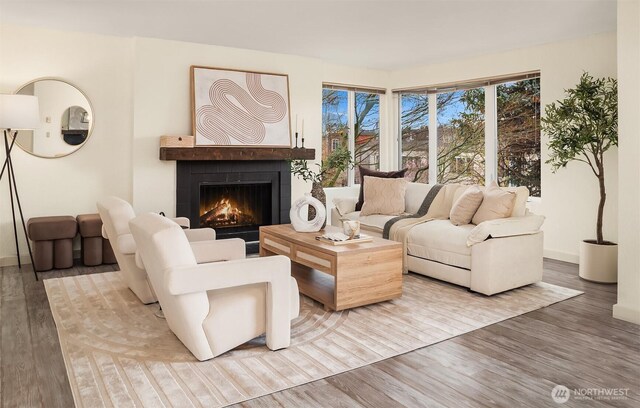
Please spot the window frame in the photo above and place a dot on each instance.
(351, 112)
(490, 125)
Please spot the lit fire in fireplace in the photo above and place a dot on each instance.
(225, 213)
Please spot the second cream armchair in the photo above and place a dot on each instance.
(116, 214)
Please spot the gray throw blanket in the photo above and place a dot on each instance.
(422, 211)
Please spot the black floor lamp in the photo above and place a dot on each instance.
(17, 112)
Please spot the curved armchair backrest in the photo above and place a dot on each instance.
(116, 214)
(162, 244)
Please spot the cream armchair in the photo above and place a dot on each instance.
(116, 214)
(215, 307)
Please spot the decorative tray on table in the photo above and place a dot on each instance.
(338, 238)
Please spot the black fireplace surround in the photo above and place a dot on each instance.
(265, 185)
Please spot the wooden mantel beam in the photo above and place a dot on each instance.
(235, 153)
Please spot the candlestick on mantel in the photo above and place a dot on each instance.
(303, 133)
(296, 140)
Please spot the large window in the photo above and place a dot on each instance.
(461, 136)
(518, 108)
(350, 121)
(367, 132)
(335, 130)
(414, 134)
(483, 132)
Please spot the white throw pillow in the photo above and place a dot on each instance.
(345, 205)
(466, 206)
(383, 196)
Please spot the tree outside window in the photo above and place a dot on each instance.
(518, 107)
(461, 139)
(337, 136)
(414, 130)
(335, 132)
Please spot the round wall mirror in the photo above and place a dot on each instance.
(66, 119)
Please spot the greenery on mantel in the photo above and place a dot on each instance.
(329, 169)
(582, 127)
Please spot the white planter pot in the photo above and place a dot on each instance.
(599, 263)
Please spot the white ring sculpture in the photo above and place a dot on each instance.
(299, 223)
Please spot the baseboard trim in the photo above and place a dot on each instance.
(13, 260)
(561, 256)
(626, 313)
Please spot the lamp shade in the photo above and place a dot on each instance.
(19, 112)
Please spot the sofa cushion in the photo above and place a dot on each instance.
(441, 241)
(415, 195)
(497, 203)
(345, 205)
(383, 196)
(520, 204)
(466, 206)
(364, 171)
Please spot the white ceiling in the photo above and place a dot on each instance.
(374, 34)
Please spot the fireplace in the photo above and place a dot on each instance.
(234, 197)
(236, 207)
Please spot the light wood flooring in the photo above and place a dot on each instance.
(515, 363)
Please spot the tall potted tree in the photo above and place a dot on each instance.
(582, 127)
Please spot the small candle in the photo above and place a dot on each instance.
(296, 123)
(302, 127)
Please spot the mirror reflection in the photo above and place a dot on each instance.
(66, 119)
(75, 125)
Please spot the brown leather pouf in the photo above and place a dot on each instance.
(52, 241)
(95, 249)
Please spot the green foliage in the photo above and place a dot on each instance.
(584, 125)
(338, 161)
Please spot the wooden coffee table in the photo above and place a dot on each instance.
(338, 276)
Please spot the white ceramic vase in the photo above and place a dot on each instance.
(300, 223)
(598, 263)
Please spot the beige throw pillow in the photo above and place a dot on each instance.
(466, 206)
(383, 196)
(497, 203)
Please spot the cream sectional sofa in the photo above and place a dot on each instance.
(488, 258)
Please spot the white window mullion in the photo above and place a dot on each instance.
(490, 134)
(433, 138)
(399, 134)
(351, 102)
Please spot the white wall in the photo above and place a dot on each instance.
(162, 104)
(569, 197)
(628, 306)
(101, 67)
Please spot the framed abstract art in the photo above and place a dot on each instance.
(239, 108)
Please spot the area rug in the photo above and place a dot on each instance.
(118, 354)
